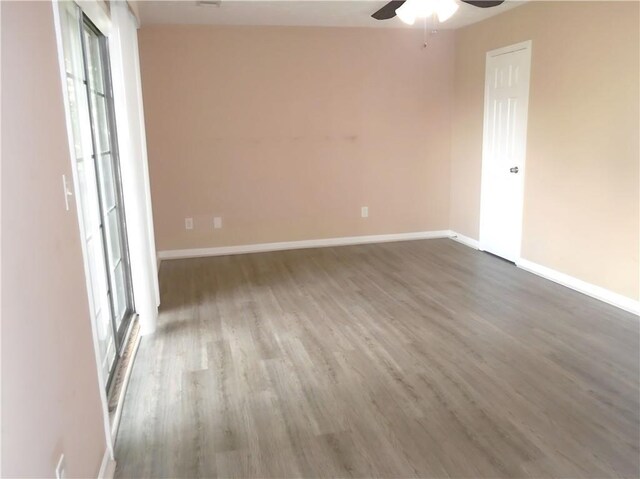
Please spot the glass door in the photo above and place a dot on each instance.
(105, 149)
(98, 184)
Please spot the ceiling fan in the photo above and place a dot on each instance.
(409, 10)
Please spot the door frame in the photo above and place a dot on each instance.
(99, 16)
(484, 180)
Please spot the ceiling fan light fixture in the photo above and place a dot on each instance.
(445, 9)
(407, 13)
(410, 10)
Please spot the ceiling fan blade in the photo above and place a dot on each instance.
(389, 10)
(484, 3)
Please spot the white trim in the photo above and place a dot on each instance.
(465, 240)
(484, 186)
(123, 57)
(108, 466)
(145, 169)
(133, 13)
(289, 245)
(597, 292)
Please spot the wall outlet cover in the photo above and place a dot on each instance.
(217, 222)
(188, 223)
(364, 212)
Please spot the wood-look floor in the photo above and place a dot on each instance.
(412, 359)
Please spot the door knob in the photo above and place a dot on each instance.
(514, 169)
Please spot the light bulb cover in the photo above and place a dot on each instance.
(410, 10)
(424, 8)
(406, 12)
(445, 9)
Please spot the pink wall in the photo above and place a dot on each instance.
(50, 395)
(287, 132)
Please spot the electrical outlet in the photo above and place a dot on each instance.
(61, 473)
(188, 223)
(217, 222)
(364, 212)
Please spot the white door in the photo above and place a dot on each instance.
(504, 147)
(97, 178)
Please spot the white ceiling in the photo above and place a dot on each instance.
(321, 13)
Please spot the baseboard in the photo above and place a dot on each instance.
(108, 466)
(597, 292)
(290, 245)
(465, 240)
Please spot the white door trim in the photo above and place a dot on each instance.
(516, 47)
(522, 46)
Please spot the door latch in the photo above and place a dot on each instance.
(514, 169)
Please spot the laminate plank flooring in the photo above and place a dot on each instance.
(411, 359)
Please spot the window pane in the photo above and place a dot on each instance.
(120, 298)
(113, 235)
(94, 61)
(75, 116)
(107, 183)
(96, 283)
(71, 44)
(100, 122)
(106, 346)
(89, 197)
(102, 310)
